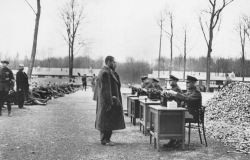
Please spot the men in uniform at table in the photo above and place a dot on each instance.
(6, 86)
(192, 99)
(156, 85)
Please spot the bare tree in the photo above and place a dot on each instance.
(72, 16)
(159, 59)
(242, 30)
(214, 13)
(33, 53)
(170, 36)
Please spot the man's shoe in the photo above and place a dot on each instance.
(110, 143)
(171, 144)
(9, 114)
(0, 114)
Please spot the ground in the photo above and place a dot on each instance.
(64, 129)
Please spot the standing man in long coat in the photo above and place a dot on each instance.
(22, 86)
(109, 110)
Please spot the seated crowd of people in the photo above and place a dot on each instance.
(40, 93)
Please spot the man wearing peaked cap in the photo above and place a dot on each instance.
(156, 84)
(173, 78)
(145, 82)
(192, 99)
(6, 86)
(7, 62)
(191, 79)
(174, 86)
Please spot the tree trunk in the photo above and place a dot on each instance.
(33, 54)
(185, 54)
(171, 45)
(70, 73)
(159, 60)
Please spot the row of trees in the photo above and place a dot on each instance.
(209, 20)
(132, 69)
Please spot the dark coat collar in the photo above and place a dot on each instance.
(112, 73)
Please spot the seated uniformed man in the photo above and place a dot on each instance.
(145, 81)
(146, 84)
(174, 86)
(156, 85)
(192, 99)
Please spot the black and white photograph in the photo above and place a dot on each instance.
(124, 79)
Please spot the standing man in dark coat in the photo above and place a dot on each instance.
(84, 81)
(22, 86)
(109, 110)
(6, 86)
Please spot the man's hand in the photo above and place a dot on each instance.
(19, 89)
(172, 92)
(108, 108)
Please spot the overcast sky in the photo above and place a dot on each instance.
(122, 28)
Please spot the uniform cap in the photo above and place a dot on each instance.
(191, 79)
(173, 78)
(155, 80)
(143, 78)
(7, 62)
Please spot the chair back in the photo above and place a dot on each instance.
(202, 113)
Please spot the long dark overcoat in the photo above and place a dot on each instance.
(22, 85)
(108, 85)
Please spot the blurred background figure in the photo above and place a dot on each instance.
(22, 86)
(93, 82)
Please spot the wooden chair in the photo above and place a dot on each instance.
(200, 125)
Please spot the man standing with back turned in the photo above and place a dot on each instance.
(109, 110)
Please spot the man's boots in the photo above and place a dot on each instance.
(9, 114)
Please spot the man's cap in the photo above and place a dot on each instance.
(191, 79)
(155, 80)
(171, 77)
(7, 62)
(21, 65)
(143, 78)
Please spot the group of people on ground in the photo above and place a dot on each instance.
(25, 93)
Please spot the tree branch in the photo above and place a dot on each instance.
(203, 30)
(31, 7)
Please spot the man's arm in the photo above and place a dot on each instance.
(189, 98)
(105, 90)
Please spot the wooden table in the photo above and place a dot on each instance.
(134, 108)
(168, 124)
(144, 114)
(124, 102)
(129, 103)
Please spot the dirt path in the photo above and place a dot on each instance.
(64, 129)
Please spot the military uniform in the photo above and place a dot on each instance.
(84, 82)
(193, 100)
(178, 90)
(6, 84)
(158, 87)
